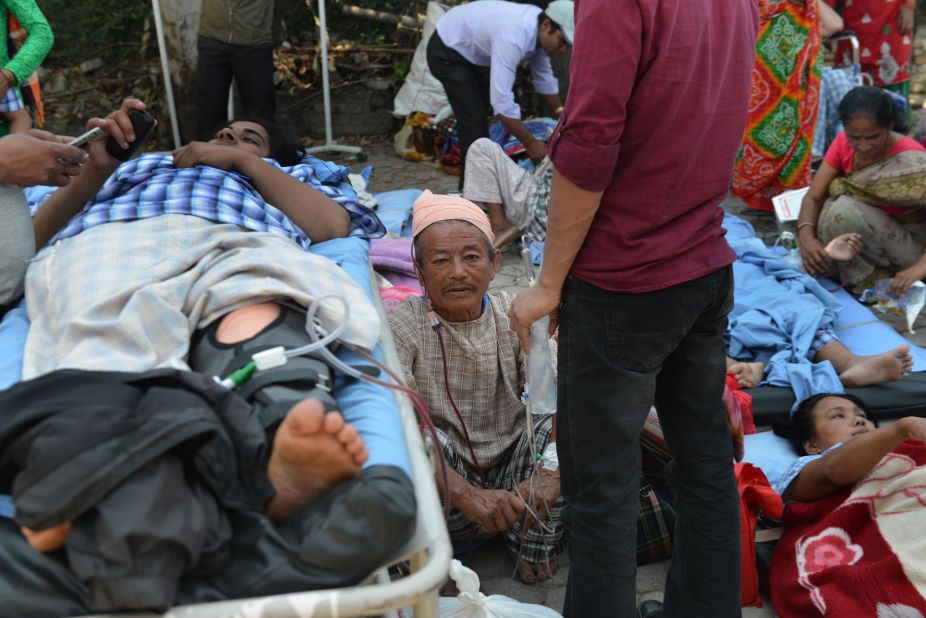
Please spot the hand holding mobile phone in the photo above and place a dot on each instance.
(89, 136)
(142, 123)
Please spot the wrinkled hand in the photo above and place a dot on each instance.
(536, 151)
(816, 260)
(117, 125)
(495, 510)
(546, 493)
(38, 158)
(213, 155)
(902, 281)
(906, 19)
(531, 305)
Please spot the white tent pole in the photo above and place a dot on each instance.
(326, 91)
(330, 144)
(165, 70)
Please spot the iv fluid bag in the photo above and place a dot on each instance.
(541, 386)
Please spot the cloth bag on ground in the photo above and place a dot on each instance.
(756, 496)
(471, 603)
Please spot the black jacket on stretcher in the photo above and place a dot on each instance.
(163, 476)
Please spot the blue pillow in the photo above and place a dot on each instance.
(770, 453)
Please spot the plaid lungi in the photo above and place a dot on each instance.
(537, 546)
(128, 296)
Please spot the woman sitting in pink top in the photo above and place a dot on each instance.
(871, 191)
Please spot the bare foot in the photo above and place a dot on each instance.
(878, 368)
(533, 572)
(48, 540)
(312, 451)
(505, 236)
(845, 247)
(747, 374)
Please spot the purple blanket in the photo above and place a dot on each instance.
(392, 258)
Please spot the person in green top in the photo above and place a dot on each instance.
(15, 71)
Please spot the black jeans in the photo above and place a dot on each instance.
(618, 354)
(467, 88)
(252, 68)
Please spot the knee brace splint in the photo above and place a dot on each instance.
(276, 390)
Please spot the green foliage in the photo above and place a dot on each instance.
(94, 28)
(400, 69)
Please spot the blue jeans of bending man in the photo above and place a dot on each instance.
(618, 354)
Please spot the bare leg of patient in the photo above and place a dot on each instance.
(503, 229)
(312, 450)
(855, 371)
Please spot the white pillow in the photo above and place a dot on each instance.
(770, 453)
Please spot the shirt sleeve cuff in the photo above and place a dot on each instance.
(546, 87)
(508, 110)
(589, 166)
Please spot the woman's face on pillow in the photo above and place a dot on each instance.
(836, 420)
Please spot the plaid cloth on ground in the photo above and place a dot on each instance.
(128, 296)
(150, 186)
(537, 546)
(11, 101)
(656, 525)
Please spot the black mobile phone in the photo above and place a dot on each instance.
(142, 122)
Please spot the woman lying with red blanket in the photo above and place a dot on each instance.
(855, 524)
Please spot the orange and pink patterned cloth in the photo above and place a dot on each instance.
(776, 149)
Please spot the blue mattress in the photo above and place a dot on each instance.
(370, 408)
(862, 332)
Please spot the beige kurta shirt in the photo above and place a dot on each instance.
(486, 372)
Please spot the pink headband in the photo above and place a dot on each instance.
(430, 208)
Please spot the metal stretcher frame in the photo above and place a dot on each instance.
(428, 551)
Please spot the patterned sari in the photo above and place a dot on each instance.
(892, 242)
(776, 149)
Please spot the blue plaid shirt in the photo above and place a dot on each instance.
(11, 101)
(150, 186)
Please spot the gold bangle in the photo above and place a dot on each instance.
(558, 110)
(9, 76)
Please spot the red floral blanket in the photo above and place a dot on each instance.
(860, 552)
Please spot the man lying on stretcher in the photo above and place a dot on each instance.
(183, 260)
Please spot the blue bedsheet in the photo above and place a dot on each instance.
(778, 309)
(777, 313)
(370, 408)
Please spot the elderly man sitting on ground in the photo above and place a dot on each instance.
(457, 349)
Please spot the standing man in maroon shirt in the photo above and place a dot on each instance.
(637, 264)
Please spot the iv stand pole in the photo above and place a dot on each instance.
(330, 145)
